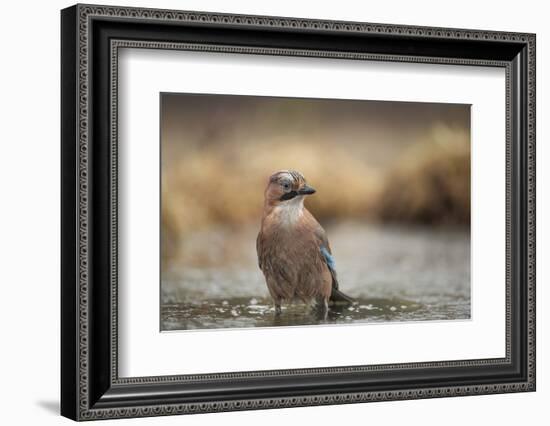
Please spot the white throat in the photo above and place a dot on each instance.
(290, 211)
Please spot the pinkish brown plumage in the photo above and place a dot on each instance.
(293, 250)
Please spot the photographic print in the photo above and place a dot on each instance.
(291, 211)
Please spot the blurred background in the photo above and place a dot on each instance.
(393, 193)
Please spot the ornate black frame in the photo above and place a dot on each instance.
(91, 37)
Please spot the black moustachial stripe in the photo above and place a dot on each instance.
(288, 195)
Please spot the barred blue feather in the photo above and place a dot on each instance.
(328, 258)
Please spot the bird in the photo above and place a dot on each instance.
(293, 250)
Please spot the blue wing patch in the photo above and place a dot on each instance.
(328, 258)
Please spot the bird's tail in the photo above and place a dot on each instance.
(336, 296)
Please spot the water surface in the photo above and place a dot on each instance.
(393, 273)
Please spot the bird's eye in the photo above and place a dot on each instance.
(286, 186)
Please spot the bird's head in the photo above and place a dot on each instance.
(286, 186)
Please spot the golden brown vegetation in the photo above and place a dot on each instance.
(223, 184)
(214, 186)
(430, 183)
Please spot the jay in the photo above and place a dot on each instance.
(293, 249)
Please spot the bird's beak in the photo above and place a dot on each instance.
(306, 190)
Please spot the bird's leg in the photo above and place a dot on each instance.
(321, 308)
(278, 309)
(325, 308)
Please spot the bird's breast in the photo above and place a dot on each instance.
(291, 246)
(291, 262)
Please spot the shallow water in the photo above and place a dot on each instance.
(394, 274)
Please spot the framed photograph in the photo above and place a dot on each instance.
(263, 212)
